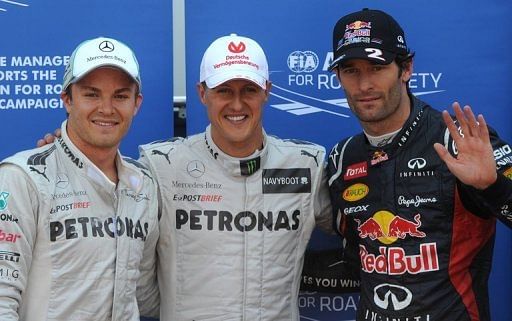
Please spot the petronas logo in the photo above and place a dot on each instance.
(3, 200)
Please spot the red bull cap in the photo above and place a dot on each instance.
(368, 34)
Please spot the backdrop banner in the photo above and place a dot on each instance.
(461, 55)
(37, 40)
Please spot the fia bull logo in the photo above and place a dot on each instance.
(387, 227)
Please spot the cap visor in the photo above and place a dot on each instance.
(375, 55)
(221, 78)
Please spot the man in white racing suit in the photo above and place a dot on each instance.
(78, 223)
(237, 206)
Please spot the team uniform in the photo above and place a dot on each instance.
(73, 245)
(233, 231)
(423, 239)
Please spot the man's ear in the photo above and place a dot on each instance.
(138, 103)
(67, 100)
(201, 92)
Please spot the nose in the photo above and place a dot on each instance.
(365, 81)
(237, 103)
(106, 106)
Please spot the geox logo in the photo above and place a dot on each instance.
(289, 180)
(40, 158)
(75, 160)
(248, 167)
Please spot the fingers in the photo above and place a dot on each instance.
(40, 142)
(57, 132)
(47, 139)
(443, 153)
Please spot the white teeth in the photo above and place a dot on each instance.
(103, 123)
(235, 118)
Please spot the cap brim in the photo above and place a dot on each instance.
(379, 56)
(78, 77)
(221, 78)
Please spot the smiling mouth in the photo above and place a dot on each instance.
(236, 118)
(104, 123)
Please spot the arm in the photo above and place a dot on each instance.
(148, 295)
(323, 210)
(18, 204)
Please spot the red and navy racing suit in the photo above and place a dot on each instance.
(423, 240)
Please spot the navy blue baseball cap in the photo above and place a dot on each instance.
(368, 34)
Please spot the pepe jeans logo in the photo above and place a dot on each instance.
(236, 48)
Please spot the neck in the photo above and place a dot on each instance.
(106, 162)
(239, 149)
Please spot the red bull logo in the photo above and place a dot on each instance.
(387, 227)
(358, 25)
(400, 227)
(370, 228)
(394, 261)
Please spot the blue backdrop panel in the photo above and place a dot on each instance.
(461, 54)
(37, 39)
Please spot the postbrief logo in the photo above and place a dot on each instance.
(286, 180)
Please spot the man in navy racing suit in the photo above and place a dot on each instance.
(416, 194)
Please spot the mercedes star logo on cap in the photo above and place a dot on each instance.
(106, 46)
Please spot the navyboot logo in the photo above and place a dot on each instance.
(289, 180)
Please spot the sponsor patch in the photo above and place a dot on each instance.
(9, 256)
(3, 200)
(508, 173)
(356, 170)
(289, 180)
(355, 192)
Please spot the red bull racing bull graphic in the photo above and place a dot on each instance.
(387, 228)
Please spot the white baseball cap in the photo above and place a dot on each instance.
(234, 57)
(100, 52)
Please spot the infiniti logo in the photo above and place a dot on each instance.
(195, 168)
(106, 46)
(416, 163)
(400, 297)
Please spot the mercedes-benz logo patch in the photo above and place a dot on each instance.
(195, 168)
(62, 180)
(106, 46)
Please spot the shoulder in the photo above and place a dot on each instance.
(294, 144)
(33, 157)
